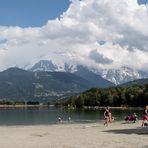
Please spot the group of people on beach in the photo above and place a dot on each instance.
(129, 118)
(109, 118)
(60, 119)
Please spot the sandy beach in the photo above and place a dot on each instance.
(90, 135)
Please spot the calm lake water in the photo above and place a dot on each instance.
(34, 116)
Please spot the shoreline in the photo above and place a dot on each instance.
(42, 106)
(90, 135)
(23, 106)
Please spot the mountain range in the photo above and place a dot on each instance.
(45, 80)
(95, 79)
(19, 84)
(123, 75)
(117, 76)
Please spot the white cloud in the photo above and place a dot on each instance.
(122, 24)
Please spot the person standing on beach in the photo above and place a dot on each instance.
(106, 116)
(145, 115)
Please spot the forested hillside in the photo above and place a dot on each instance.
(133, 96)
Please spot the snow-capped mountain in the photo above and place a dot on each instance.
(46, 65)
(79, 70)
(123, 75)
(116, 76)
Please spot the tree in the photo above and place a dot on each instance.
(79, 102)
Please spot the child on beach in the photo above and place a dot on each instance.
(59, 119)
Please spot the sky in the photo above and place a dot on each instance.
(30, 13)
(97, 33)
(142, 1)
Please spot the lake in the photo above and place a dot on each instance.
(49, 115)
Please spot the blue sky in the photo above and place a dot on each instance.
(29, 13)
(76, 38)
(143, 1)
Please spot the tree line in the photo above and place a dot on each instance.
(131, 96)
(8, 102)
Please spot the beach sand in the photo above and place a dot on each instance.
(90, 135)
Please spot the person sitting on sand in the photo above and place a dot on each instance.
(131, 118)
(145, 115)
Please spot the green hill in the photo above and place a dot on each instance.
(18, 84)
(135, 82)
(133, 96)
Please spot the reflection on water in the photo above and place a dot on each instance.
(31, 116)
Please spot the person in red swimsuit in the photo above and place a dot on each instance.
(145, 115)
